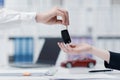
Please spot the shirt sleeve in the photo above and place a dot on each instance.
(114, 62)
(11, 16)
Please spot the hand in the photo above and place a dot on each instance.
(50, 17)
(75, 48)
(83, 47)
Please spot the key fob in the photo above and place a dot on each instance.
(65, 36)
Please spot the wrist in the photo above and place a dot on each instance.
(38, 17)
(103, 54)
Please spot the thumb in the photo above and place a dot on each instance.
(59, 22)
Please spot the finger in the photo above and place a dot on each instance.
(72, 45)
(58, 22)
(59, 45)
(59, 13)
(69, 48)
(68, 23)
(62, 46)
(66, 16)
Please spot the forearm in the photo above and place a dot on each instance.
(10, 16)
(103, 54)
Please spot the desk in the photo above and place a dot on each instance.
(62, 72)
(83, 73)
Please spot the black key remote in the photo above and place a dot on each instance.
(65, 36)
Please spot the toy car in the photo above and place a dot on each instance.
(87, 62)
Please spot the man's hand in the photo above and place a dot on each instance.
(50, 17)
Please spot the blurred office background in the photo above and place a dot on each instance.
(99, 19)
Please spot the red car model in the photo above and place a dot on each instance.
(87, 62)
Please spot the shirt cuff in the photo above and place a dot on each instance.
(113, 63)
(108, 65)
(29, 16)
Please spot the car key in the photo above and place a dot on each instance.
(65, 36)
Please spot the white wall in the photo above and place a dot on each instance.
(116, 19)
(96, 14)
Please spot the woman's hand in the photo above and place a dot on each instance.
(83, 47)
(50, 17)
(75, 48)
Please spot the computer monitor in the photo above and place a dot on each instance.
(49, 52)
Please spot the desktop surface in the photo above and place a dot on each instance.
(59, 74)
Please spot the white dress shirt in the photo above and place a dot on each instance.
(7, 16)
